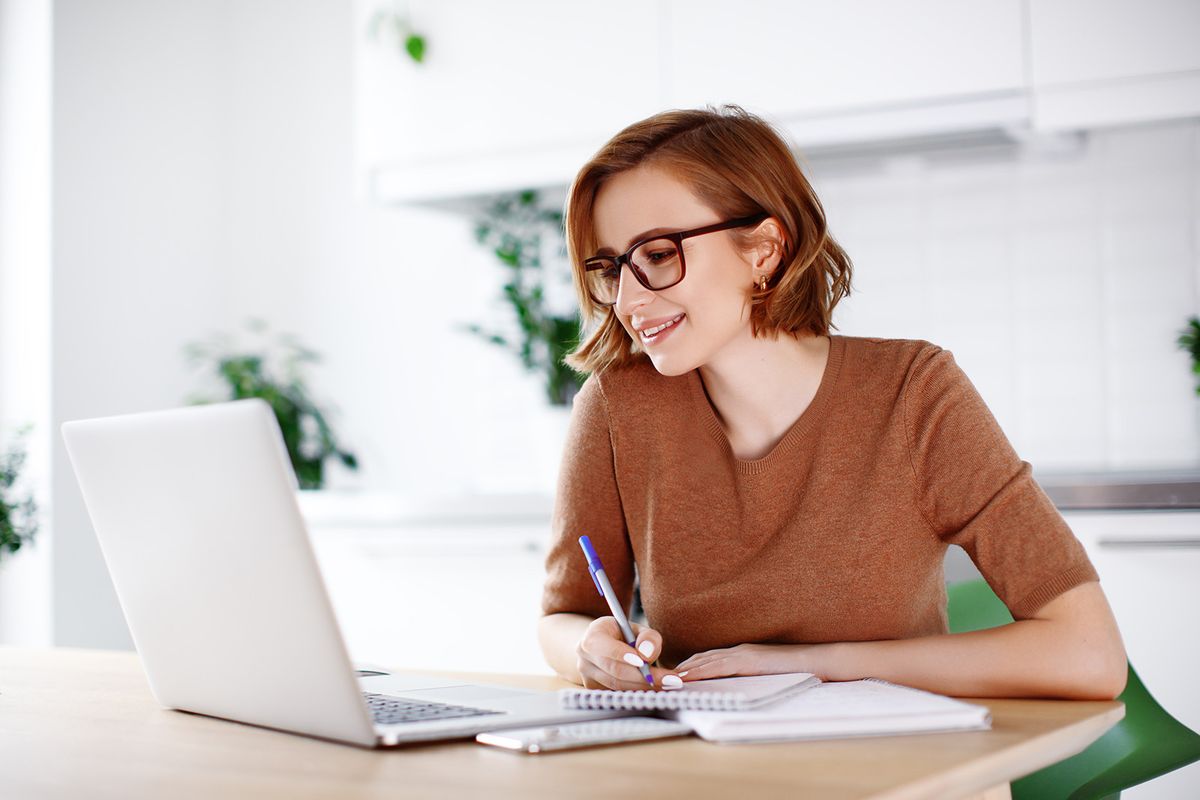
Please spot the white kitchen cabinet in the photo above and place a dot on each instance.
(1113, 62)
(447, 597)
(526, 108)
(450, 583)
(788, 58)
(520, 94)
(506, 90)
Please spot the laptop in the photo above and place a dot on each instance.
(196, 513)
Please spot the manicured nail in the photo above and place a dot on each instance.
(646, 648)
(685, 672)
(672, 682)
(633, 660)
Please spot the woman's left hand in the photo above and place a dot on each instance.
(749, 659)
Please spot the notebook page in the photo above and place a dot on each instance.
(753, 687)
(858, 699)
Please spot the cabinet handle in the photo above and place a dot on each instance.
(1150, 544)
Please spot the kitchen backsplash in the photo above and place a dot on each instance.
(1060, 282)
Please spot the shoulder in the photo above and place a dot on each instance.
(635, 399)
(615, 388)
(636, 383)
(900, 359)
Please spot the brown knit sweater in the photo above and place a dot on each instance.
(837, 534)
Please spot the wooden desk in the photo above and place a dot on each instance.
(82, 723)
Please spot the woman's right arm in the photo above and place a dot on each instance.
(559, 635)
(579, 640)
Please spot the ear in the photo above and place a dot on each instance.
(769, 247)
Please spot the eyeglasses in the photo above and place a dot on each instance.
(657, 262)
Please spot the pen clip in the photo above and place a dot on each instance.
(595, 580)
(593, 561)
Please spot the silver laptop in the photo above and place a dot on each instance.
(197, 518)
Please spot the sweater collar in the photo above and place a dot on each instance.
(795, 435)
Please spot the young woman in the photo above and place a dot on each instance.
(785, 495)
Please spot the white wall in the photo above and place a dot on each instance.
(140, 241)
(1059, 282)
(25, 298)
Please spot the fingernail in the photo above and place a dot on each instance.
(633, 660)
(646, 648)
(672, 682)
(685, 672)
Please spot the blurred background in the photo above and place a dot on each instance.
(346, 189)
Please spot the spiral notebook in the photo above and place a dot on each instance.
(835, 710)
(718, 694)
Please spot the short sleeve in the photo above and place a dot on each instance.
(587, 502)
(975, 492)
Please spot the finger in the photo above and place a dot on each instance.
(696, 658)
(666, 678)
(716, 668)
(610, 653)
(594, 677)
(649, 644)
(616, 674)
(629, 671)
(604, 630)
(692, 661)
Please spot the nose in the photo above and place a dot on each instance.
(631, 295)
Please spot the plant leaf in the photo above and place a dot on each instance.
(415, 45)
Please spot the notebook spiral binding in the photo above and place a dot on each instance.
(603, 699)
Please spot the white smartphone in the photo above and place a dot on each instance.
(572, 735)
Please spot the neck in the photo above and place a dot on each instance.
(760, 386)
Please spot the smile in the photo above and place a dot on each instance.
(659, 332)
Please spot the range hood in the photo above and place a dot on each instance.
(996, 120)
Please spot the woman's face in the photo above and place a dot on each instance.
(710, 306)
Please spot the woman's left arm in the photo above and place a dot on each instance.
(1070, 648)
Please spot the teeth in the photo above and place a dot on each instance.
(648, 332)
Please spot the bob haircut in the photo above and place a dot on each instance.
(736, 164)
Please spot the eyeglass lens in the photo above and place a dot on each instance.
(657, 262)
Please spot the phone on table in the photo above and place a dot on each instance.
(574, 735)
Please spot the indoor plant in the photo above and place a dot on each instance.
(1189, 339)
(18, 511)
(519, 231)
(273, 371)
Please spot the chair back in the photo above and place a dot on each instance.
(1146, 743)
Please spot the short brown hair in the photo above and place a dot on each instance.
(738, 165)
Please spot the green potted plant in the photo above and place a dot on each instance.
(1189, 340)
(18, 510)
(274, 371)
(517, 230)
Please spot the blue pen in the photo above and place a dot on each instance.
(596, 570)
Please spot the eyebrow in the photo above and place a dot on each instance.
(608, 251)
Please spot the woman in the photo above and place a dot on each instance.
(786, 496)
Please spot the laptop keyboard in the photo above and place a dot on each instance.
(389, 710)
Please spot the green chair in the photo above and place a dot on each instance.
(1147, 743)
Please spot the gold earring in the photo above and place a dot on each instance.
(762, 283)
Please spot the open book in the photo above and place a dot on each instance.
(868, 707)
(719, 694)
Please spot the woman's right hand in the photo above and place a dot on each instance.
(605, 661)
